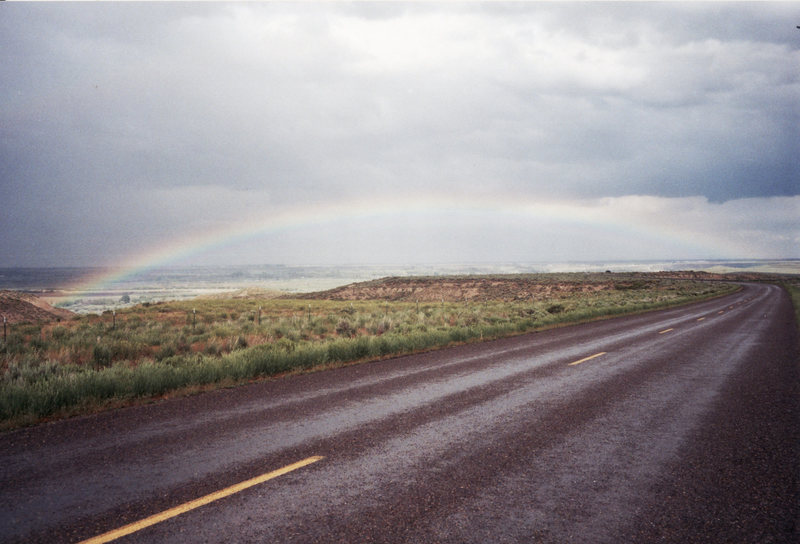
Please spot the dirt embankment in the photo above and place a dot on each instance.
(18, 307)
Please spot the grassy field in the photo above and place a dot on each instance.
(145, 352)
(793, 287)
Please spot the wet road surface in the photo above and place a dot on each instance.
(681, 425)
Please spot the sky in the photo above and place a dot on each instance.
(135, 134)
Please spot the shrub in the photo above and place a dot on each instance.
(240, 342)
(166, 351)
(101, 356)
(344, 328)
(284, 344)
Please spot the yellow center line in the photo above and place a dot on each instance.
(587, 358)
(191, 505)
(701, 318)
(665, 330)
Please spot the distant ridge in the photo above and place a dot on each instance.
(509, 287)
(247, 292)
(18, 307)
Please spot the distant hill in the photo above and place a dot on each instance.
(18, 307)
(513, 287)
(466, 288)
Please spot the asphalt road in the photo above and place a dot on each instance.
(675, 426)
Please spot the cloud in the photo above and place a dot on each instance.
(220, 108)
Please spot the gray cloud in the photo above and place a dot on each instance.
(125, 124)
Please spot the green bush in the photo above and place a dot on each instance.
(101, 356)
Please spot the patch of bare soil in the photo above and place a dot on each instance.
(18, 307)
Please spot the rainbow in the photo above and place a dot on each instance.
(596, 214)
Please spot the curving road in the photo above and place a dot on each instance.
(680, 425)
